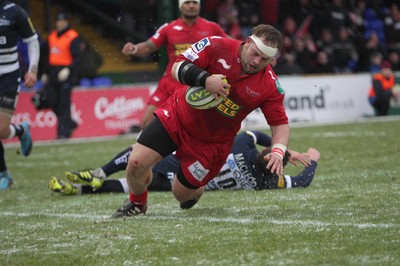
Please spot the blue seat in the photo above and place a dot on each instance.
(101, 81)
(85, 82)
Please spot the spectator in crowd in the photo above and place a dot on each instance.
(270, 12)
(344, 52)
(368, 49)
(177, 35)
(240, 171)
(249, 16)
(339, 16)
(394, 59)
(392, 27)
(323, 64)
(289, 29)
(64, 53)
(15, 23)
(375, 64)
(356, 17)
(325, 41)
(227, 16)
(138, 15)
(381, 91)
(304, 55)
(302, 9)
(90, 61)
(287, 65)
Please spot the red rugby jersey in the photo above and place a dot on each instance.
(248, 92)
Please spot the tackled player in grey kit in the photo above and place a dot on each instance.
(244, 169)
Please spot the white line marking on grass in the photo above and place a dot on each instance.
(210, 219)
(330, 134)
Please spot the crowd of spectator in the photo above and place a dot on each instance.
(320, 36)
(336, 36)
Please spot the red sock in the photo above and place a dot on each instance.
(138, 199)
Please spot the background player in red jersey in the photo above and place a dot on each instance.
(203, 138)
(177, 35)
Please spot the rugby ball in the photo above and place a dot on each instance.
(199, 98)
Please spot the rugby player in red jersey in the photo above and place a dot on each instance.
(202, 139)
(177, 35)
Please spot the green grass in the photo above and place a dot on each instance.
(349, 216)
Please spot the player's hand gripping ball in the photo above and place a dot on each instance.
(199, 98)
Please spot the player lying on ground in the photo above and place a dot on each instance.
(244, 169)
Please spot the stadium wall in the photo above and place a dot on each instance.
(109, 111)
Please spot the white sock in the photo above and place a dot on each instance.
(12, 132)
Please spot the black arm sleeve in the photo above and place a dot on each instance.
(192, 75)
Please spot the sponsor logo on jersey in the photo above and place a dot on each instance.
(189, 54)
(251, 92)
(198, 170)
(231, 163)
(180, 48)
(279, 87)
(177, 27)
(4, 22)
(228, 108)
(200, 45)
(244, 177)
(166, 113)
(281, 182)
(223, 63)
(272, 75)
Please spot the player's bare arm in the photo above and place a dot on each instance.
(140, 49)
(280, 140)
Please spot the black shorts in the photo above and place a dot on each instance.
(155, 137)
(9, 88)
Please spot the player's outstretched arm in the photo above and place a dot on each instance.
(305, 177)
(140, 49)
(297, 157)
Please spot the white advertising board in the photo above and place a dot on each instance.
(319, 99)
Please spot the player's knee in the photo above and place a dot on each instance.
(135, 167)
(183, 193)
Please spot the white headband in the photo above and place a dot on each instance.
(181, 2)
(268, 51)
